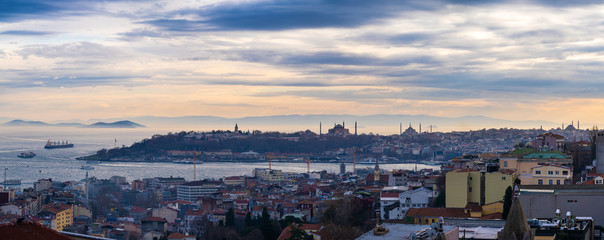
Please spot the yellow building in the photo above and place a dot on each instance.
(63, 214)
(495, 207)
(528, 163)
(464, 186)
(549, 175)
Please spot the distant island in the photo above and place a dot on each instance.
(118, 124)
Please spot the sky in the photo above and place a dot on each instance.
(515, 60)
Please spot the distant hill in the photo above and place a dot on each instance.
(118, 124)
(19, 122)
(23, 123)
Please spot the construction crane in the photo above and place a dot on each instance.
(194, 166)
(307, 165)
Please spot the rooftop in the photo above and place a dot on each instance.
(400, 231)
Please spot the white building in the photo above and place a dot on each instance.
(192, 190)
(417, 198)
(270, 175)
(42, 185)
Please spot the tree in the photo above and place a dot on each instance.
(266, 226)
(440, 200)
(230, 218)
(298, 234)
(289, 220)
(507, 202)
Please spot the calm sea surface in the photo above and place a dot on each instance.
(61, 165)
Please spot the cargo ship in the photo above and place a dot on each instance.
(58, 144)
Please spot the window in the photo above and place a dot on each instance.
(550, 172)
(470, 178)
(557, 172)
(505, 163)
(470, 189)
(540, 181)
(564, 172)
(557, 182)
(551, 182)
(538, 172)
(503, 178)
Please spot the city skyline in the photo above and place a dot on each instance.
(530, 60)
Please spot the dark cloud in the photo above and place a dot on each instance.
(26, 33)
(328, 58)
(287, 14)
(36, 79)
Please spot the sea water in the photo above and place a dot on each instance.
(61, 164)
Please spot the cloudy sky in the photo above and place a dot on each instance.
(516, 60)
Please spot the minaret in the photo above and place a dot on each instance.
(420, 127)
(355, 128)
(320, 129)
(578, 127)
(400, 131)
(343, 124)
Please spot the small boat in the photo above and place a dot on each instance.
(58, 144)
(184, 161)
(26, 155)
(87, 168)
(12, 182)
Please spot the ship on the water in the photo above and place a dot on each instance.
(26, 155)
(58, 144)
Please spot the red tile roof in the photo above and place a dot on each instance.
(390, 194)
(29, 231)
(176, 236)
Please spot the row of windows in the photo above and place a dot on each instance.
(538, 172)
(414, 205)
(551, 182)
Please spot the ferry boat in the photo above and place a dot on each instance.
(26, 155)
(87, 168)
(58, 144)
(12, 182)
